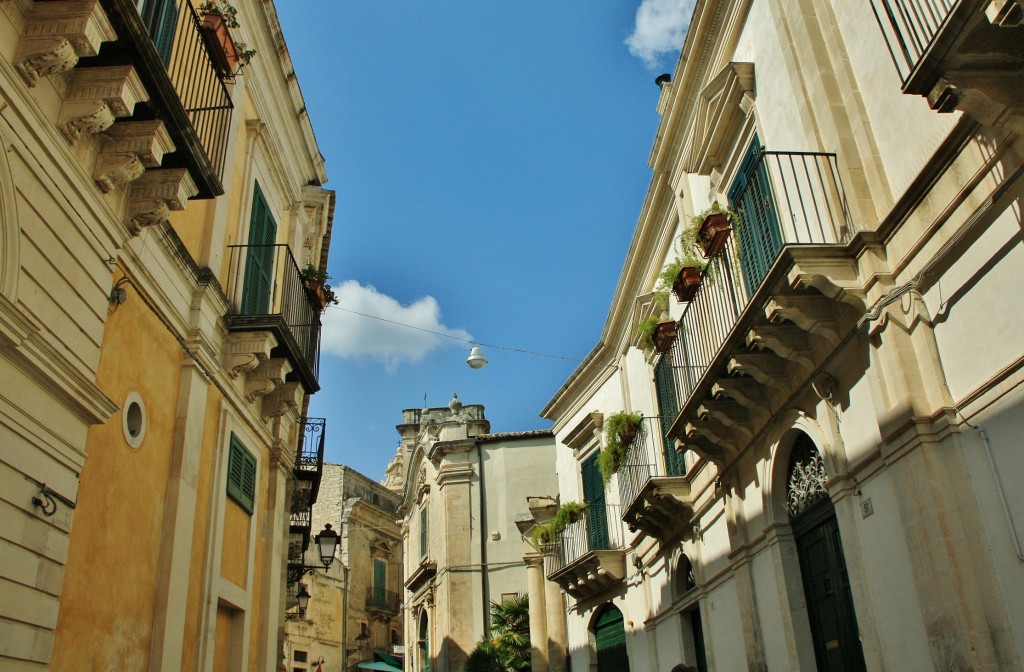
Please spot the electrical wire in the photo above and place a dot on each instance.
(460, 338)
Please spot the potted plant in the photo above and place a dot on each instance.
(621, 430)
(315, 280)
(683, 275)
(658, 333)
(217, 20)
(713, 227)
(567, 513)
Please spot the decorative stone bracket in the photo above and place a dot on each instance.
(284, 397)
(96, 96)
(266, 377)
(57, 34)
(246, 349)
(127, 149)
(152, 196)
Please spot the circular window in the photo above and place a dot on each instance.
(133, 420)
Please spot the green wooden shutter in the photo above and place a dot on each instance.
(668, 406)
(610, 638)
(423, 532)
(259, 261)
(241, 474)
(380, 576)
(760, 236)
(161, 19)
(593, 495)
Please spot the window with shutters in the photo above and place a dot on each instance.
(760, 237)
(161, 19)
(423, 532)
(668, 407)
(259, 259)
(593, 495)
(241, 474)
(380, 585)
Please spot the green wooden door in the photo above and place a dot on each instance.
(827, 590)
(668, 406)
(259, 261)
(610, 637)
(380, 577)
(698, 640)
(760, 238)
(593, 495)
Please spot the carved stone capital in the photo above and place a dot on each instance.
(155, 194)
(57, 34)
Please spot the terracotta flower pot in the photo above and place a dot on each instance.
(713, 233)
(687, 284)
(664, 335)
(315, 288)
(219, 43)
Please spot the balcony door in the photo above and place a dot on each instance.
(593, 495)
(668, 406)
(259, 260)
(760, 237)
(380, 576)
(161, 18)
(610, 641)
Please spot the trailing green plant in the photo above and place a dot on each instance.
(319, 275)
(617, 442)
(568, 512)
(646, 330)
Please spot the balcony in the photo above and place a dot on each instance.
(185, 88)
(309, 459)
(267, 294)
(771, 308)
(381, 602)
(656, 498)
(942, 47)
(588, 557)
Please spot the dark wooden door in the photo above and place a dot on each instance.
(610, 636)
(837, 646)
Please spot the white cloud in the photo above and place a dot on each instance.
(352, 336)
(660, 28)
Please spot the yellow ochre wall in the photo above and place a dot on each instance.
(107, 605)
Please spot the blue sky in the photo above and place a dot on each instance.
(490, 161)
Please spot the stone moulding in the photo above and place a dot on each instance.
(719, 114)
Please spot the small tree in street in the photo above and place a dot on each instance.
(508, 650)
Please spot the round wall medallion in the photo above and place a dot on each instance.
(133, 419)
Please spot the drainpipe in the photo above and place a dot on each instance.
(1001, 491)
(484, 582)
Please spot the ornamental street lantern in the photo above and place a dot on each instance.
(327, 543)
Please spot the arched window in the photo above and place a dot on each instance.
(806, 477)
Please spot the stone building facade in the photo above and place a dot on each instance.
(355, 610)
(463, 489)
(826, 477)
(157, 346)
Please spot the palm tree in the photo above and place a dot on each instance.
(508, 650)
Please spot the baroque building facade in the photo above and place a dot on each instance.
(157, 206)
(463, 489)
(823, 475)
(354, 614)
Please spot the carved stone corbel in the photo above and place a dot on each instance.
(127, 149)
(155, 194)
(246, 349)
(96, 97)
(815, 314)
(262, 380)
(57, 34)
(284, 397)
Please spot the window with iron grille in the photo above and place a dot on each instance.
(241, 474)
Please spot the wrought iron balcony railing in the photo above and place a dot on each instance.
(383, 600)
(164, 45)
(909, 27)
(642, 462)
(309, 460)
(800, 202)
(599, 529)
(267, 293)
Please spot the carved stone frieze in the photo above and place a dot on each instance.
(57, 34)
(246, 349)
(96, 97)
(155, 194)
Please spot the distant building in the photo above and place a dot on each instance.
(355, 608)
(828, 476)
(463, 488)
(157, 346)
